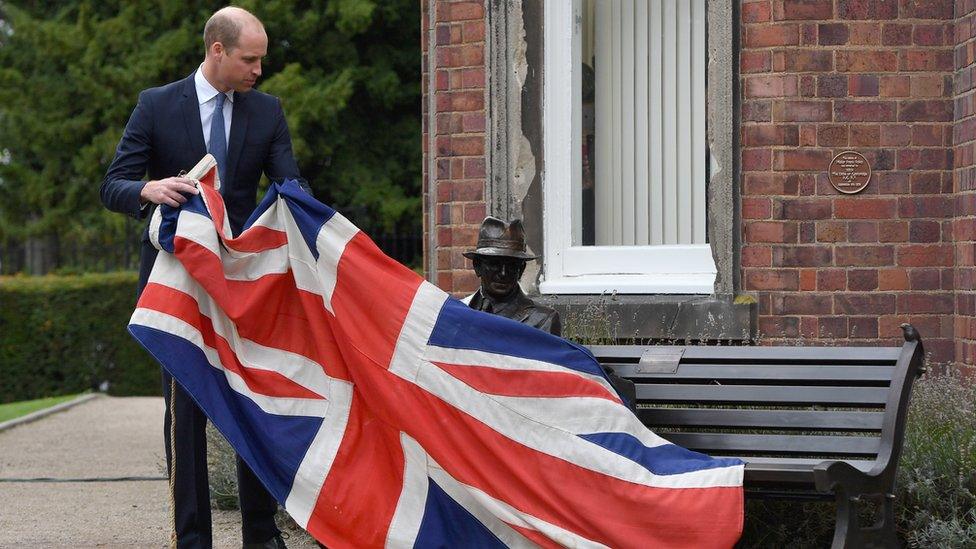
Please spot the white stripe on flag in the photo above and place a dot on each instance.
(411, 506)
(321, 454)
(237, 265)
(557, 442)
(154, 223)
(583, 416)
(331, 242)
(471, 357)
(420, 321)
(513, 516)
(465, 496)
(273, 405)
(295, 367)
(271, 217)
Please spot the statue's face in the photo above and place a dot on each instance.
(498, 275)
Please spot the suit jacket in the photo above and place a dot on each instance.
(164, 137)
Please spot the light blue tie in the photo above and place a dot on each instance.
(218, 141)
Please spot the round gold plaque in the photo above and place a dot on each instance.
(849, 172)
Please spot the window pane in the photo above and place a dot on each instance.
(641, 123)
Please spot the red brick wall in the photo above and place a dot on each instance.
(458, 154)
(964, 226)
(819, 77)
(892, 79)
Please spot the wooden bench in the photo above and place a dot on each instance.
(810, 422)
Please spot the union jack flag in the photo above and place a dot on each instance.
(380, 411)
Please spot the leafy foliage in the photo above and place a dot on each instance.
(937, 476)
(347, 72)
(66, 334)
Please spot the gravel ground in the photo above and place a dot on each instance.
(103, 438)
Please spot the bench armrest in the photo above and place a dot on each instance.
(833, 476)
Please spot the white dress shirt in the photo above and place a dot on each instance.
(207, 95)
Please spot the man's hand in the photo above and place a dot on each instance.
(168, 191)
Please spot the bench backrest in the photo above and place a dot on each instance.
(792, 404)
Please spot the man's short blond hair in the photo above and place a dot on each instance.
(225, 26)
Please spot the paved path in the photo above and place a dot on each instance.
(103, 438)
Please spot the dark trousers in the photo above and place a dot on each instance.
(186, 436)
(186, 460)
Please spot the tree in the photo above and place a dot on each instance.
(70, 72)
(351, 91)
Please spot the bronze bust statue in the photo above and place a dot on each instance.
(499, 261)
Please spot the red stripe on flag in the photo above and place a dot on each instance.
(182, 306)
(596, 506)
(270, 311)
(215, 202)
(372, 297)
(258, 238)
(535, 536)
(210, 177)
(526, 383)
(357, 513)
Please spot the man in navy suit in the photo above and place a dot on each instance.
(213, 110)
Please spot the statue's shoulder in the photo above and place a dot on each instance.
(541, 308)
(539, 312)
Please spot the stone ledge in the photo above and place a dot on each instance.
(676, 319)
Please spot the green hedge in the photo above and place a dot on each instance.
(65, 334)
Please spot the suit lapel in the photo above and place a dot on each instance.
(238, 128)
(191, 119)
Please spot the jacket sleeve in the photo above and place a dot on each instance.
(280, 163)
(123, 182)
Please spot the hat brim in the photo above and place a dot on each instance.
(498, 252)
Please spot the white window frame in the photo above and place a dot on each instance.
(569, 269)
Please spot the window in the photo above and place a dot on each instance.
(626, 155)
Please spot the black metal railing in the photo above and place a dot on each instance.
(74, 257)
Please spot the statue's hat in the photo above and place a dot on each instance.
(499, 239)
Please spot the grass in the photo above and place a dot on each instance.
(17, 409)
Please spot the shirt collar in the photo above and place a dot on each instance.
(205, 90)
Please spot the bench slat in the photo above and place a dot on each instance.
(849, 355)
(827, 420)
(789, 471)
(784, 463)
(827, 445)
(773, 394)
(815, 372)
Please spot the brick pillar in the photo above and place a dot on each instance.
(818, 78)
(964, 181)
(454, 148)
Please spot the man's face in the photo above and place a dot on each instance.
(239, 68)
(498, 275)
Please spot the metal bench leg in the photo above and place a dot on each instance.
(882, 532)
(848, 533)
(846, 527)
